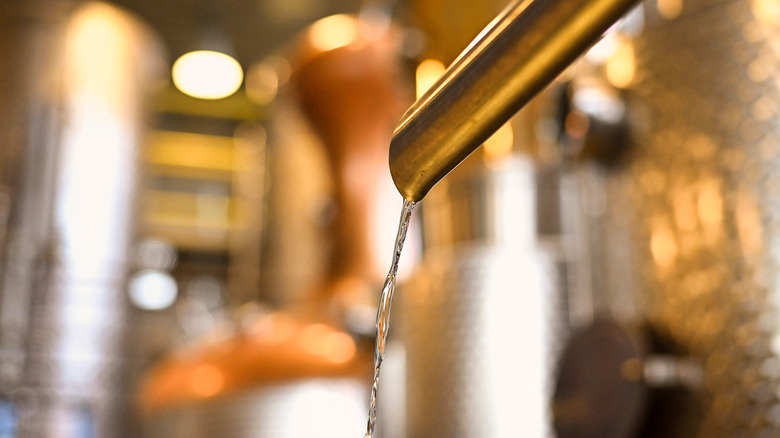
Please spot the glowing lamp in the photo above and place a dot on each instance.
(207, 75)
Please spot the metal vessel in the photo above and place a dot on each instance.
(282, 376)
(697, 200)
(296, 374)
(286, 410)
(478, 317)
(75, 78)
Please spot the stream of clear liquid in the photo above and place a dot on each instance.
(383, 313)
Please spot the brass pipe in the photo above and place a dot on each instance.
(523, 50)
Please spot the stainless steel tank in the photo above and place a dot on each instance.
(74, 80)
(477, 318)
(697, 198)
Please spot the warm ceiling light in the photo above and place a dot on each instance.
(333, 32)
(427, 73)
(207, 75)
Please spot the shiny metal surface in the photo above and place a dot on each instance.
(71, 113)
(699, 199)
(477, 317)
(525, 48)
(327, 408)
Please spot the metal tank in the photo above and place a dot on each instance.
(697, 200)
(280, 375)
(478, 316)
(74, 81)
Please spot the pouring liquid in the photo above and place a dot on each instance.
(383, 313)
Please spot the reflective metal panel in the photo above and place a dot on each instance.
(74, 78)
(326, 408)
(700, 196)
(477, 318)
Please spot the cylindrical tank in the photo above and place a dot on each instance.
(693, 209)
(75, 79)
(477, 317)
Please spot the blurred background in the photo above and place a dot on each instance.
(155, 204)
(196, 216)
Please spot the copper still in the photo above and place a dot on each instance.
(303, 370)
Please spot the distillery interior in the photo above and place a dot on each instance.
(200, 201)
